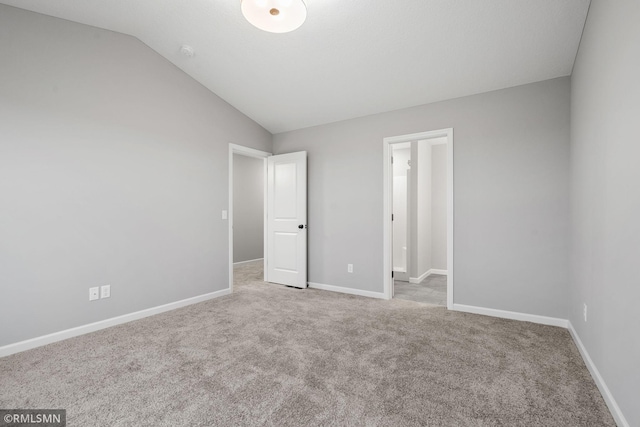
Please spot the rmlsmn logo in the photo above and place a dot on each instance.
(33, 418)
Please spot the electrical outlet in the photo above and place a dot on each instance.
(94, 293)
(584, 311)
(105, 291)
(349, 268)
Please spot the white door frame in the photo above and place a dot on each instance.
(388, 206)
(250, 152)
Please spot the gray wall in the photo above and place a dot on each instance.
(439, 206)
(605, 194)
(421, 209)
(401, 211)
(511, 195)
(113, 170)
(248, 208)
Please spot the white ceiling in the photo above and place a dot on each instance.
(350, 58)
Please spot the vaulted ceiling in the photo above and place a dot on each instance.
(350, 58)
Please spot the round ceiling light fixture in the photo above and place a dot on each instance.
(275, 16)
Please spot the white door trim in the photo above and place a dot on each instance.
(388, 206)
(250, 152)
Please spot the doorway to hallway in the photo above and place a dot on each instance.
(418, 202)
(268, 214)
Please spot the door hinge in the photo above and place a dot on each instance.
(391, 159)
(392, 274)
(391, 217)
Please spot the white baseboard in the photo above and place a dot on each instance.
(427, 274)
(102, 324)
(534, 318)
(343, 290)
(420, 278)
(621, 421)
(248, 261)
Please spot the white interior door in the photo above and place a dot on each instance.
(287, 219)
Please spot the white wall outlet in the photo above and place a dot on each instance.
(584, 312)
(224, 215)
(105, 291)
(349, 268)
(94, 293)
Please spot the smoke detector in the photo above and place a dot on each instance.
(186, 50)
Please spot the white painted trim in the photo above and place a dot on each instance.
(250, 152)
(103, 324)
(387, 224)
(621, 421)
(435, 141)
(387, 207)
(615, 410)
(513, 315)
(450, 210)
(416, 136)
(248, 261)
(420, 278)
(427, 274)
(401, 275)
(351, 291)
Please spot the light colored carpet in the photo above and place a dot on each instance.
(276, 356)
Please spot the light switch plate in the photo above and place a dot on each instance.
(224, 214)
(105, 291)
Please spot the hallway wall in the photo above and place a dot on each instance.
(248, 208)
(439, 207)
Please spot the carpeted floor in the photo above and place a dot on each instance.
(276, 356)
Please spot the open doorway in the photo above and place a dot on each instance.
(418, 202)
(401, 166)
(247, 207)
(267, 217)
(420, 221)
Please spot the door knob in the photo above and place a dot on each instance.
(301, 226)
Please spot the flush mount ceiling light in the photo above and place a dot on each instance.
(275, 16)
